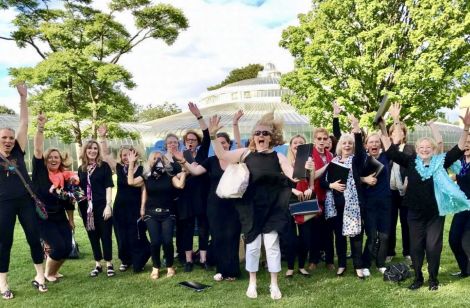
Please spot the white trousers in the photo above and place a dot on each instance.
(273, 253)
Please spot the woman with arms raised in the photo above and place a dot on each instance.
(16, 201)
(430, 195)
(262, 213)
(158, 184)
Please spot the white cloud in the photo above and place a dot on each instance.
(222, 36)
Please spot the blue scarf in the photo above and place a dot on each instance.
(450, 199)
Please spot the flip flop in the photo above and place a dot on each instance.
(7, 295)
(40, 286)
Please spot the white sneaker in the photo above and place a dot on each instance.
(251, 291)
(365, 272)
(388, 259)
(382, 269)
(275, 292)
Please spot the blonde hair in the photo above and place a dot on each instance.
(122, 148)
(65, 158)
(276, 126)
(84, 157)
(290, 152)
(428, 139)
(320, 130)
(370, 135)
(151, 162)
(339, 145)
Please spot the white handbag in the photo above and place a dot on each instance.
(234, 181)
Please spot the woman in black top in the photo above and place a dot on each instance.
(459, 235)
(96, 180)
(158, 208)
(344, 200)
(50, 179)
(16, 201)
(425, 223)
(192, 202)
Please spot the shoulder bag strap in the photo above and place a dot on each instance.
(18, 172)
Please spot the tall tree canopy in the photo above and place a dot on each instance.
(79, 77)
(246, 72)
(6, 110)
(151, 112)
(416, 52)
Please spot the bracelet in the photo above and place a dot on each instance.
(234, 124)
(213, 137)
(199, 117)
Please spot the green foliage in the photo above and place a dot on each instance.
(356, 51)
(150, 112)
(238, 74)
(79, 83)
(6, 110)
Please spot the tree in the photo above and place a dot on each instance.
(357, 51)
(247, 72)
(6, 110)
(151, 112)
(79, 83)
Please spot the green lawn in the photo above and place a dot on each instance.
(322, 289)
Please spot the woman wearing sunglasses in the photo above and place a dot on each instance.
(263, 212)
(133, 250)
(158, 183)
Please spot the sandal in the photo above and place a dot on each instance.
(251, 291)
(170, 272)
(96, 271)
(40, 286)
(110, 271)
(123, 267)
(7, 295)
(275, 292)
(155, 274)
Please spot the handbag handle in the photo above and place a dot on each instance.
(244, 156)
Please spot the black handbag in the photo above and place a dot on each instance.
(75, 253)
(397, 272)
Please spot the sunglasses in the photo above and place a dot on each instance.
(324, 139)
(262, 132)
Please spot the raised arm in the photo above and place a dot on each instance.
(39, 137)
(195, 111)
(131, 180)
(236, 129)
(103, 141)
(22, 133)
(193, 169)
(229, 156)
(336, 127)
(466, 123)
(436, 134)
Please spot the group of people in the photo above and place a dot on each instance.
(174, 190)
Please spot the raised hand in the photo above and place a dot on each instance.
(102, 130)
(214, 125)
(41, 120)
(22, 89)
(466, 118)
(132, 156)
(336, 109)
(194, 109)
(354, 123)
(177, 155)
(394, 111)
(237, 116)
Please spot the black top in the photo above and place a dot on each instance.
(55, 206)
(419, 194)
(100, 179)
(464, 183)
(128, 198)
(193, 197)
(382, 187)
(357, 165)
(11, 186)
(160, 192)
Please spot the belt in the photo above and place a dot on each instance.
(159, 210)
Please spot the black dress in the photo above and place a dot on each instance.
(224, 224)
(133, 245)
(264, 204)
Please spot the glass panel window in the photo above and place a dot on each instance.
(247, 94)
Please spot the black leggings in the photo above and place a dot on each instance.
(161, 234)
(24, 208)
(102, 235)
(58, 236)
(426, 232)
(397, 206)
(188, 232)
(296, 244)
(459, 240)
(321, 239)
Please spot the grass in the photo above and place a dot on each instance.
(127, 289)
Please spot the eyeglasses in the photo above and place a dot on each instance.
(191, 140)
(324, 139)
(262, 132)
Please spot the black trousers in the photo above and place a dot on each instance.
(58, 236)
(398, 210)
(459, 240)
(321, 239)
(160, 229)
(102, 235)
(426, 231)
(133, 245)
(187, 235)
(341, 242)
(24, 209)
(377, 226)
(296, 244)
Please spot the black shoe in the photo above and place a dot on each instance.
(416, 285)
(462, 275)
(204, 266)
(433, 285)
(188, 267)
